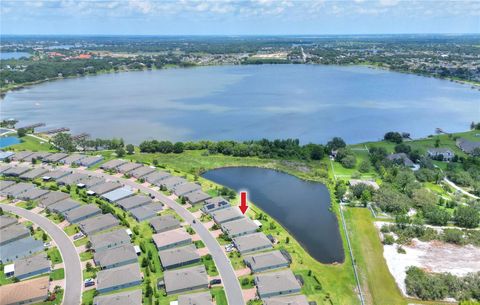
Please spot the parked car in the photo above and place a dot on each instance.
(215, 281)
(89, 282)
(78, 236)
(47, 245)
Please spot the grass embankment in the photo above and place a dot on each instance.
(32, 143)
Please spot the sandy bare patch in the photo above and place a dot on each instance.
(434, 256)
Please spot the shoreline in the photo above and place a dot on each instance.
(3, 91)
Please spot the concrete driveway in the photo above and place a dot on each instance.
(71, 261)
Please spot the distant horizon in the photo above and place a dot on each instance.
(238, 17)
(248, 35)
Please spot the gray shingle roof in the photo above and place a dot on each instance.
(80, 213)
(239, 227)
(118, 255)
(52, 198)
(280, 282)
(34, 173)
(55, 157)
(178, 256)
(106, 187)
(156, 176)
(287, 300)
(72, 179)
(133, 202)
(57, 174)
(185, 279)
(109, 239)
(267, 260)
(185, 188)
(227, 214)
(118, 276)
(215, 203)
(201, 298)
(20, 248)
(97, 224)
(467, 145)
(171, 182)
(145, 212)
(33, 194)
(16, 189)
(20, 155)
(5, 184)
(6, 221)
(16, 171)
(142, 171)
(164, 223)
(64, 205)
(112, 164)
(13, 232)
(171, 238)
(196, 197)
(89, 161)
(131, 297)
(72, 158)
(128, 167)
(31, 264)
(252, 242)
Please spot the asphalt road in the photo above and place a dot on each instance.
(73, 267)
(230, 282)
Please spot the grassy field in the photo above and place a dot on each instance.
(57, 274)
(32, 143)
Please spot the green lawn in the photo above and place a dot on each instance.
(4, 280)
(81, 242)
(27, 205)
(207, 260)
(219, 294)
(57, 274)
(71, 230)
(54, 255)
(87, 297)
(85, 256)
(33, 144)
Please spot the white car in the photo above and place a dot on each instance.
(47, 245)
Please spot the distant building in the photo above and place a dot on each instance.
(64, 206)
(467, 146)
(51, 198)
(118, 194)
(171, 182)
(196, 197)
(146, 212)
(142, 171)
(112, 164)
(32, 194)
(155, 177)
(186, 188)
(128, 167)
(403, 159)
(89, 161)
(15, 171)
(34, 173)
(16, 190)
(103, 188)
(445, 154)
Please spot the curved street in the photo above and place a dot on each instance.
(72, 265)
(231, 285)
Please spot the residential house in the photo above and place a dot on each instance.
(467, 146)
(89, 161)
(186, 188)
(442, 154)
(13, 233)
(298, 299)
(118, 278)
(26, 292)
(200, 298)
(51, 198)
(146, 212)
(112, 164)
(132, 202)
(56, 174)
(239, 227)
(33, 194)
(196, 197)
(103, 188)
(109, 240)
(34, 173)
(130, 297)
(171, 239)
(252, 243)
(178, 257)
(156, 176)
(115, 257)
(64, 206)
(54, 158)
(266, 261)
(15, 171)
(171, 182)
(276, 283)
(96, 224)
(141, 171)
(81, 213)
(185, 279)
(6, 221)
(128, 167)
(226, 215)
(19, 249)
(213, 204)
(118, 194)
(16, 189)
(164, 223)
(31, 266)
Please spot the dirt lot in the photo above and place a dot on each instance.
(433, 257)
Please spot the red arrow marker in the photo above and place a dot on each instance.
(243, 202)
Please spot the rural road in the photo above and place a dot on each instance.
(452, 184)
(231, 285)
(73, 267)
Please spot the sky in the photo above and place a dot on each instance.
(237, 17)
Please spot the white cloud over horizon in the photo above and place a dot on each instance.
(238, 16)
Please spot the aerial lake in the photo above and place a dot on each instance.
(13, 55)
(293, 202)
(310, 102)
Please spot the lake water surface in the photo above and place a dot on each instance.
(310, 102)
(13, 55)
(302, 207)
